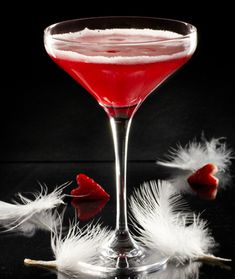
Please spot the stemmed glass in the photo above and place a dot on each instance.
(120, 61)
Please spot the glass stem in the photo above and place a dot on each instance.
(122, 243)
(120, 130)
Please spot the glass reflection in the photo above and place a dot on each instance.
(172, 271)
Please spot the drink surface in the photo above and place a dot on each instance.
(119, 67)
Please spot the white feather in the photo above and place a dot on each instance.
(197, 154)
(78, 245)
(165, 224)
(17, 213)
(43, 221)
(180, 183)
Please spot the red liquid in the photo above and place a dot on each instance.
(120, 87)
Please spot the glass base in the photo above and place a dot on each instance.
(147, 261)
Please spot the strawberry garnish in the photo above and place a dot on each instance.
(204, 183)
(88, 189)
(88, 209)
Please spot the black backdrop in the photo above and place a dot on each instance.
(46, 116)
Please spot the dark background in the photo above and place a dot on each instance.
(46, 116)
(51, 129)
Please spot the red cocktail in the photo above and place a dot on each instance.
(122, 73)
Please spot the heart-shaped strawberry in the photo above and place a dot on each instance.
(204, 183)
(88, 209)
(88, 189)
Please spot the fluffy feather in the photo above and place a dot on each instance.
(183, 161)
(78, 246)
(17, 213)
(197, 154)
(165, 224)
(43, 221)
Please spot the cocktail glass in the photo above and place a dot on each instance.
(120, 61)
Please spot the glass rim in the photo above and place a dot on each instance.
(192, 30)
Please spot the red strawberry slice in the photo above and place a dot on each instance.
(88, 209)
(204, 183)
(88, 189)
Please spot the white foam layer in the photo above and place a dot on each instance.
(69, 55)
(130, 35)
(118, 46)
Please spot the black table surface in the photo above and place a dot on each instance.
(23, 177)
(51, 129)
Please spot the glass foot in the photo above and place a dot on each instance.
(147, 261)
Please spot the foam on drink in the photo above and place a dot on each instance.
(119, 46)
